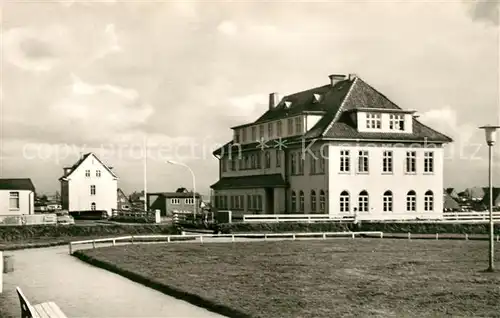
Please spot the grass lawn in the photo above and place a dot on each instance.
(331, 278)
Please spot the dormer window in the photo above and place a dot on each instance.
(397, 122)
(288, 104)
(373, 121)
(316, 98)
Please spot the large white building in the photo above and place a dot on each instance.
(89, 185)
(341, 149)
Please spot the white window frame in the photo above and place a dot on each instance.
(314, 202)
(388, 161)
(345, 203)
(14, 201)
(294, 202)
(363, 161)
(429, 162)
(87, 173)
(322, 201)
(411, 201)
(289, 125)
(98, 173)
(189, 201)
(364, 202)
(175, 201)
(373, 121)
(397, 122)
(93, 206)
(345, 161)
(92, 189)
(411, 162)
(388, 201)
(298, 125)
(301, 201)
(261, 132)
(429, 201)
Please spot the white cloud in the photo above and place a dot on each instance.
(247, 106)
(445, 120)
(228, 28)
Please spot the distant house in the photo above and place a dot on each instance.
(449, 203)
(496, 197)
(123, 201)
(17, 196)
(474, 194)
(89, 185)
(452, 192)
(137, 200)
(174, 202)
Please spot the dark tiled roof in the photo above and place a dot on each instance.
(449, 190)
(331, 98)
(247, 182)
(16, 184)
(486, 198)
(450, 203)
(336, 123)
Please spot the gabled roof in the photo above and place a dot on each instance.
(251, 182)
(16, 184)
(176, 194)
(336, 123)
(81, 160)
(449, 203)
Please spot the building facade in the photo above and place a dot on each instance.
(17, 197)
(341, 149)
(89, 185)
(170, 203)
(123, 202)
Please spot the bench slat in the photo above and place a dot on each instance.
(58, 313)
(40, 311)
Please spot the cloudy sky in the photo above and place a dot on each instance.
(79, 76)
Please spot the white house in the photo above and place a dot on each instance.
(341, 149)
(89, 185)
(17, 197)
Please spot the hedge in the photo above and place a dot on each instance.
(416, 228)
(130, 219)
(30, 232)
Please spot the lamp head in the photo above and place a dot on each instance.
(172, 162)
(490, 134)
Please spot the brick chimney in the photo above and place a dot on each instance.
(335, 78)
(273, 100)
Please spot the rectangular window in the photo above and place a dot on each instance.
(223, 164)
(298, 125)
(429, 162)
(322, 160)
(313, 201)
(363, 161)
(387, 162)
(293, 164)
(344, 161)
(411, 203)
(301, 160)
(313, 158)
(411, 162)
(290, 126)
(270, 133)
(278, 158)
(98, 173)
(87, 173)
(254, 134)
(279, 128)
(387, 203)
(189, 201)
(233, 164)
(13, 201)
(243, 135)
(267, 159)
(174, 201)
(236, 136)
(249, 202)
(373, 121)
(261, 132)
(397, 122)
(92, 190)
(259, 160)
(428, 203)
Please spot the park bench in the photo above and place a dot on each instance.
(43, 310)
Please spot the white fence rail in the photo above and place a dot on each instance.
(447, 217)
(169, 238)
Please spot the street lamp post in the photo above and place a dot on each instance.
(194, 182)
(490, 134)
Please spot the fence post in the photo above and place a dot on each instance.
(497, 238)
(232, 238)
(437, 236)
(409, 235)
(466, 236)
(265, 237)
(168, 239)
(353, 235)
(70, 246)
(114, 242)
(93, 243)
(381, 234)
(201, 239)
(324, 236)
(293, 236)
(132, 239)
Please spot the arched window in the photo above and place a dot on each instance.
(92, 206)
(268, 159)
(313, 201)
(301, 201)
(344, 202)
(411, 201)
(429, 201)
(387, 201)
(294, 202)
(363, 202)
(322, 201)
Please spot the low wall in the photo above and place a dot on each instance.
(31, 219)
(417, 228)
(35, 232)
